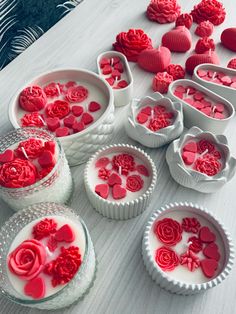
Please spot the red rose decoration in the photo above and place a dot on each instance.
(176, 70)
(104, 173)
(211, 10)
(131, 43)
(59, 109)
(196, 245)
(32, 98)
(191, 224)
(207, 164)
(204, 145)
(157, 124)
(166, 258)
(168, 231)
(190, 260)
(125, 162)
(76, 93)
(161, 82)
(134, 183)
(32, 119)
(52, 90)
(17, 173)
(33, 148)
(44, 228)
(163, 11)
(205, 44)
(184, 19)
(65, 266)
(27, 260)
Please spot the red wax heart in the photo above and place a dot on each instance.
(62, 132)
(102, 162)
(118, 192)
(46, 159)
(178, 39)
(198, 105)
(116, 74)
(51, 146)
(102, 190)
(77, 110)
(104, 61)
(110, 80)
(206, 235)
(228, 38)
(107, 69)
(142, 170)
(122, 84)
(119, 67)
(7, 156)
(188, 158)
(196, 59)
(154, 60)
(114, 60)
(69, 121)
(35, 288)
(78, 127)
(219, 115)
(190, 147)
(211, 251)
(52, 123)
(114, 179)
(94, 106)
(219, 108)
(86, 118)
(65, 233)
(142, 118)
(209, 267)
(206, 111)
(147, 110)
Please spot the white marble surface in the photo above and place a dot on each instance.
(122, 284)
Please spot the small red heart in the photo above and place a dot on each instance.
(142, 118)
(219, 107)
(104, 61)
(191, 147)
(78, 127)
(118, 192)
(102, 162)
(94, 106)
(206, 111)
(65, 233)
(69, 121)
(114, 179)
(86, 118)
(142, 170)
(116, 74)
(147, 110)
(209, 267)
(154, 60)
(102, 190)
(107, 69)
(46, 159)
(35, 288)
(52, 123)
(77, 110)
(7, 156)
(178, 39)
(219, 115)
(62, 132)
(51, 146)
(110, 80)
(206, 235)
(198, 105)
(211, 251)
(188, 158)
(122, 84)
(119, 67)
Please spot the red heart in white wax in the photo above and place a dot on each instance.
(7, 156)
(65, 233)
(35, 288)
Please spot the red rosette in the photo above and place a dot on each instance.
(58, 109)
(32, 119)
(134, 183)
(232, 64)
(196, 244)
(123, 162)
(204, 145)
(176, 70)
(168, 231)
(17, 173)
(204, 29)
(32, 98)
(184, 19)
(205, 44)
(32, 148)
(158, 123)
(166, 258)
(207, 164)
(131, 43)
(76, 93)
(211, 10)
(163, 11)
(44, 228)
(161, 82)
(52, 90)
(191, 224)
(104, 173)
(190, 260)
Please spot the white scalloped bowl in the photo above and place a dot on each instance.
(80, 146)
(164, 279)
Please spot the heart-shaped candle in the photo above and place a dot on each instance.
(154, 60)
(178, 39)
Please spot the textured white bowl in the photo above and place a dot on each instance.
(120, 210)
(80, 146)
(227, 92)
(161, 277)
(122, 96)
(194, 117)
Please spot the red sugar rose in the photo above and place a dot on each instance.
(76, 93)
(168, 231)
(184, 19)
(191, 224)
(204, 44)
(17, 173)
(207, 164)
(166, 258)
(52, 90)
(190, 260)
(32, 119)
(33, 148)
(134, 183)
(131, 43)
(44, 228)
(125, 162)
(58, 108)
(176, 70)
(104, 173)
(65, 266)
(163, 11)
(196, 245)
(204, 145)
(32, 98)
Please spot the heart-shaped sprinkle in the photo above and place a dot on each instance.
(52, 123)
(122, 84)
(190, 101)
(110, 80)
(94, 106)
(147, 110)
(142, 170)
(102, 190)
(206, 111)
(87, 118)
(46, 159)
(51, 146)
(7, 156)
(77, 110)
(114, 179)
(107, 69)
(178, 39)
(219, 108)
(198, 96)
(211, 251)
(154, 60)
(206, 235)
(69, 121)
(198, 105)
(102, 162)
(179, 94)
(118, 192)
(206, 103)
(35, 288)
(104, 61)
(116, 74)
(188, 158)
(209, 267)
(114, 60)
(62, 131)
(180, 89)
(201, 73)
(78, 127)
(219, 115)
(119, 67)
(142, 118)
(65, 234)
(190, 147)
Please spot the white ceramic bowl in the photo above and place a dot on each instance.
(80, 146)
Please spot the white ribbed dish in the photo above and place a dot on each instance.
(161, 277)
(142, 134)
(80, 146)
(193, 179)
(194, 117)
(123, 96)
(120, 210)
(227, 92)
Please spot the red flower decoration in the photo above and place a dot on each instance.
(17, 173)
(166, 258)
(191, 224)
(59, 109)
(134, 183)
(161, 82)
(131, 43)
(168, 231)
(76, 93)
(125, 162)
(196, 245)
(205, 44)
(211, 10)
(190, 260)
(204, 145)
(184, 19)
(44, 228)
(176, 70)
(158, 123)
(65, 266)
(32, 119)
(104, 173)
(32, 98)
(163, 11)
(52, 90)
(32, 147)
(207, 164)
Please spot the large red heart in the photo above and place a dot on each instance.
(118, 192)
(52, 123)
(228, 38)
(211, 251)
(102, 190)
(94, 106)
(188, 158)
(196, 59)
(7, 156)
(178, 39)
(206, 235)
(65, 233)
(154, 60)
(46, 159)
(60, 132)
(35, 288)
(69, 121)
(191, 147)
(209, 267)
(114, 179)
(142, 118)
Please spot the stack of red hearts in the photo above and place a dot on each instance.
(217, 77)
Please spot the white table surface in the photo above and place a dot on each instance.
(122, 284)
